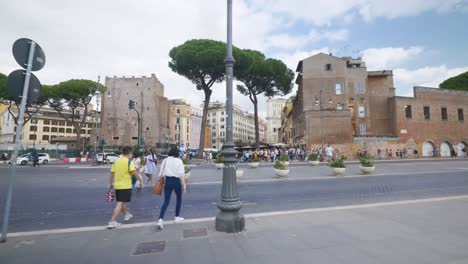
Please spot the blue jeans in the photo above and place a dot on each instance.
(170, 184)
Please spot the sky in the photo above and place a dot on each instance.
(423, 41)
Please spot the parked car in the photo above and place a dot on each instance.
(110, 158)
(24, 159)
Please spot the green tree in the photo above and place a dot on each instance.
(202, 62)
(259, 75)
(14, 105)
(71, 100)
(459, 82)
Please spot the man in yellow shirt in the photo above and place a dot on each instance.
(120, 179)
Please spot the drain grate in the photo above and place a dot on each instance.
(199, 232)
(150, 247)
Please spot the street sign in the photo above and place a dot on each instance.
(15, 85)
(21, 52)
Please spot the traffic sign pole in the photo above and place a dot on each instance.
(19, 132)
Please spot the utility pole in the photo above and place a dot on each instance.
(97, 93)
(229, 220)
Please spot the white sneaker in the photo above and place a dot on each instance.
(160, 224)
(128, 216)
(113, 224)
(178, 219)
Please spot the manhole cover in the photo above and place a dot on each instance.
(200, 232)
(150, 247)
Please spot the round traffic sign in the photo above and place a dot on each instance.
(21, 53)
(15, 84)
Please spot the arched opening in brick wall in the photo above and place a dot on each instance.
(428, 149)
(463, 145)
(446, 149)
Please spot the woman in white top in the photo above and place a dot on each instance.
(172, 168)
(150, 166)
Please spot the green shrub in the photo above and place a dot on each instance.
(314, 156)
(284, 158)
(219, 160)
(337, 162)
(280, 165)
(366, 161)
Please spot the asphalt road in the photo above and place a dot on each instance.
(62, 196)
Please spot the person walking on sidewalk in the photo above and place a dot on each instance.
(172, 168)
(150, 166)
(120, 179)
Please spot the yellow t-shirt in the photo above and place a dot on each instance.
(122, 178)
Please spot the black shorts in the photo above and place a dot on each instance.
(123, 195)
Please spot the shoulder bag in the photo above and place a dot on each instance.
(158, 187)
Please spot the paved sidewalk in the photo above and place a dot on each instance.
(418, 231)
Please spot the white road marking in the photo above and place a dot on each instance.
(256, 215)
(330, 177)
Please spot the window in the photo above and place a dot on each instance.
(74, 131)
(188, 129)
(213, 141)
(427, 113)
(213, 120)
(32, 137)
(178, 110)
(46, 122)
(339, 88)
(214, 114)
(274, 129)
(53, 137)
(77, 112)
(45, 129)
(69, 130)
(222, 127)
(61, 130)
(328, 67)
(208, 121)
(222, 113)
(362, 129)
(83, 131)
(339, 107)
(33, 128)
(177, 120)
(54, 129)
(360, 88)
(460, 114)
(213, 134)
(222, 119)
(134, 138)
(69, 124)
(115, 138)
(362, 111)
(54, 123)
(408, 113)
(61, 123)
(45, 137)
(443, 112)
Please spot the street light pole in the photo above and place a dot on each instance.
(229, 220)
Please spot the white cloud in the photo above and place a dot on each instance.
(388, 58)
(321, 12)
(405, 79)
(338, 35)
(289, 42)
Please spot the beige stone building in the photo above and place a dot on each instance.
(243, 125)
(46, 127)
(273, 118)
(120, 124)
(181, 122)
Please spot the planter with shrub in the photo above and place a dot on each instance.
(219, 163)
(254, 163)
(367, 165)
(337, 165)
(314, 159)
(281, 169)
